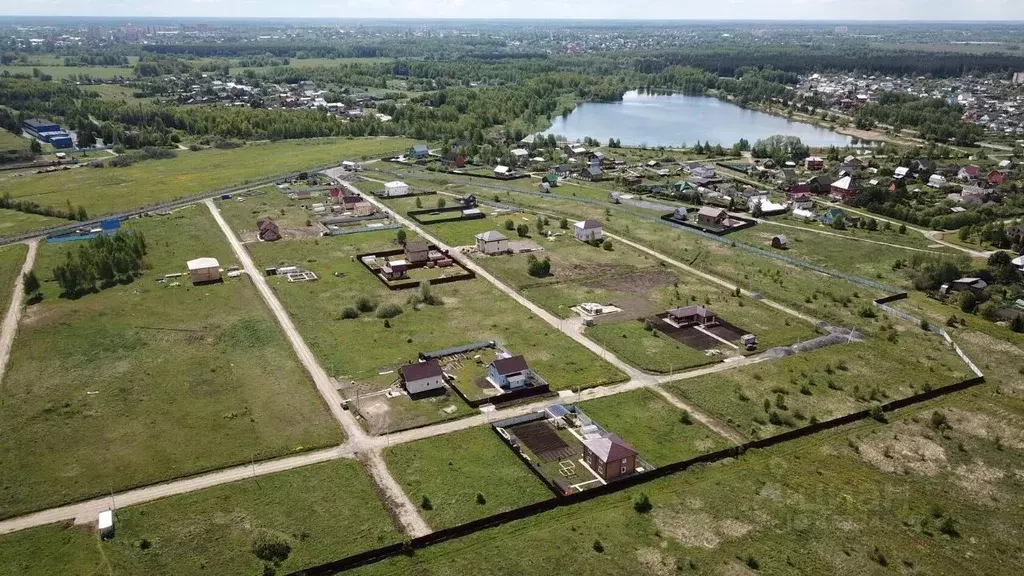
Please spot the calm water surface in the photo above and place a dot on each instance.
(641, 119)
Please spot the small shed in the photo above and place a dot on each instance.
(204, 270)
(105, 524)
(396, 188)
(779, 241)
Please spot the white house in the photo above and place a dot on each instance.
(422, 377)
(1005, 164)
(500, 170)
(767, 206)
(396, 188)
(492, 242)
(803, 214)
(937, 181)
(901, 172)
(204, 270)
(588, 230)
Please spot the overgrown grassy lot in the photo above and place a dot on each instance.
(11, 259)
(10, 141)
(773, 397)
(14, 222)
(106, 190)
(452, 477)
(62, 72)
(242, 212)
(657, 430)
(143, 382)
(320, 512)
(867, 499)
(359, 349)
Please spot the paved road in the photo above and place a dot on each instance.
(403, 508)
(84, 512)
(10, 325)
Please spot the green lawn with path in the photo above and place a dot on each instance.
(144, 382)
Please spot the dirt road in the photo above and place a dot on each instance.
(10, 326)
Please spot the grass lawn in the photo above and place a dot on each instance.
(770, 398)
(145, 382)
(451, 478)
(62, 72)
(10, 141)
(359, 349)
(242, 212)
(116, 92)
(107, 190)
(12, 257)
(14, 222)
(324, 511)
(651, 351)
(653, 426)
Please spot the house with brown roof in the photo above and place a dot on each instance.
(510, 373)
(422, 377)
(609, 456)
(712, 216)
(416, 252)
(696, 315)
(268, 230)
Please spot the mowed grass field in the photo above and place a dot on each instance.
(776, 396)
(472, 311)
(14, 222)
(322, 512)
(653, 427)
(145, 382)
(451, 479)
(107, 190)
(11, 259)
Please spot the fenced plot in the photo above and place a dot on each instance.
(687, 335)
(540, 438)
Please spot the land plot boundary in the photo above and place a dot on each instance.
(415, 215)
(467, 274)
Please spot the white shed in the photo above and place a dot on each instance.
(492, 242)
(937, 181)
(105, 524)
(396, 188)
(204, 270)
(422, 377)
(588, 230)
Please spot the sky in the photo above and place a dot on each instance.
(831, 10)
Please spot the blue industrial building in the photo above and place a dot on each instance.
(47, 131)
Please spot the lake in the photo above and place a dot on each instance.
(642, 119)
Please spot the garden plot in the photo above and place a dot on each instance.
(127, 386)
(391, 328)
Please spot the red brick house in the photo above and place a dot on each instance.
(996, 177)
(610, 457)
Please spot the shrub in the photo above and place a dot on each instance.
(364, 304)
(752, 563)
(597, 546)
(939, 420)
(642, 504)
(607, 245)
(878, 414)
(925, 325)
(563, 224)
(400, 236)
(389, 311)
(270, 547)
(538, 268)
(426, 504)
(523, 230)
(948, 527)
(480, 499)
(349, 313)
(686, 419)
(510, 225)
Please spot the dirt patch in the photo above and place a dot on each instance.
(698, 529)
(1008, 430)
(640, 283)
(979, 479)
(655, 563)
(904, 452)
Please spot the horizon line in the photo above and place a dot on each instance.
(520, 19)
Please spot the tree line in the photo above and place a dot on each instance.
(103, 260)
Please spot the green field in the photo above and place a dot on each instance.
(828, 504)
(451, 478)
(108, 190)
(322, 512)
(242, 212)
(770, 398)
(9, 141)
(11, 259)
(14, 222)
(115, 92)
(653, 427)
(358, 351)
(143, 382)
(62, 72)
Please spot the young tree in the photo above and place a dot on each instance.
(400, 236)
(563, 224)
(510, 225)
(31, 285)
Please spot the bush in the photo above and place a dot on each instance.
(349, 313)
(925, 325)
(597, 546)
(752, 563)
(563, 224)
(426, 504)
(270, 547)
(480, 499)
(364, 304)
(968, 302)
(879, 415)
(389, 311)
(939, 420)
(642, 504)
(607, 245)
(523, 230)
(1017, 323)
(510, 225)
(948, 527)
(686, 419)
(538, 268)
